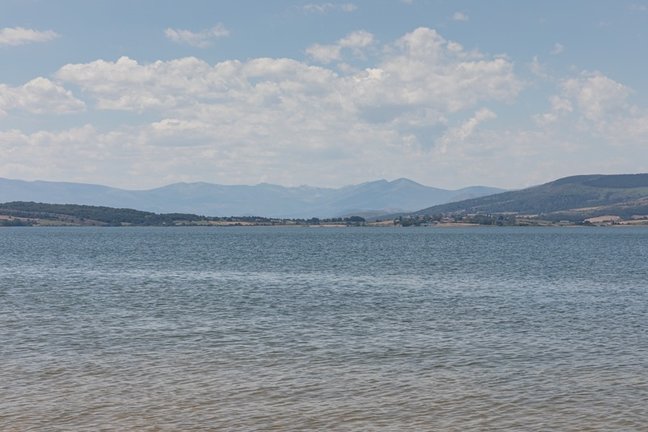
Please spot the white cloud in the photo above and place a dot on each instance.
(356, 41)
(558, 48)
(20, 36)
(593, 127)
(560, 106)
(421, 70)
(281, 119)
(465, 129)
(592, 98)
(460, 16)
(201, 39)
(324, 53)
(127, 85)
(38, 96)
(420, 105)
(596, 94)
(323, 8)
(69, 154)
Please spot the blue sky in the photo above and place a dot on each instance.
(139, 94)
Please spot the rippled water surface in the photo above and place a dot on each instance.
(323, 329)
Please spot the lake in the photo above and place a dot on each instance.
(456, 329)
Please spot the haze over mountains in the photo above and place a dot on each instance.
(366, 199)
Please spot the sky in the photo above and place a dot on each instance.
(143, 93)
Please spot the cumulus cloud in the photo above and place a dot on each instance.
(127, 85)
(460, 16)
(355, 41)
(323, 8)
(592, 118)
(591, 97)
(465, 130)
(13, 36)
(45, 154)
(324, 53)
(201, 39)
(559, 107)
(421, 70)
(421, 105)
(38, 96)
(596, 94)
(284, 119)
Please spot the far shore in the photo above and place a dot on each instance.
(444, 225)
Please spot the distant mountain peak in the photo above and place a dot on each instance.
(404, 180)
(264, 199)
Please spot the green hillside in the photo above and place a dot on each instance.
(571, 198)
(89, 215)
(22, 213)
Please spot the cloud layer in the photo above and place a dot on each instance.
(420, 72)
(419, 106)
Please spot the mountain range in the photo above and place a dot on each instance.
(367, 199)
(570, 198)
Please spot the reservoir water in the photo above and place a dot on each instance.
(286, 329)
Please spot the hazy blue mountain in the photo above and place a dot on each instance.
(578, 196)
(377, 197)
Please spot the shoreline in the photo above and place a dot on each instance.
(442, 226)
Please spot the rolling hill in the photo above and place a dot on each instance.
(570, 198)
